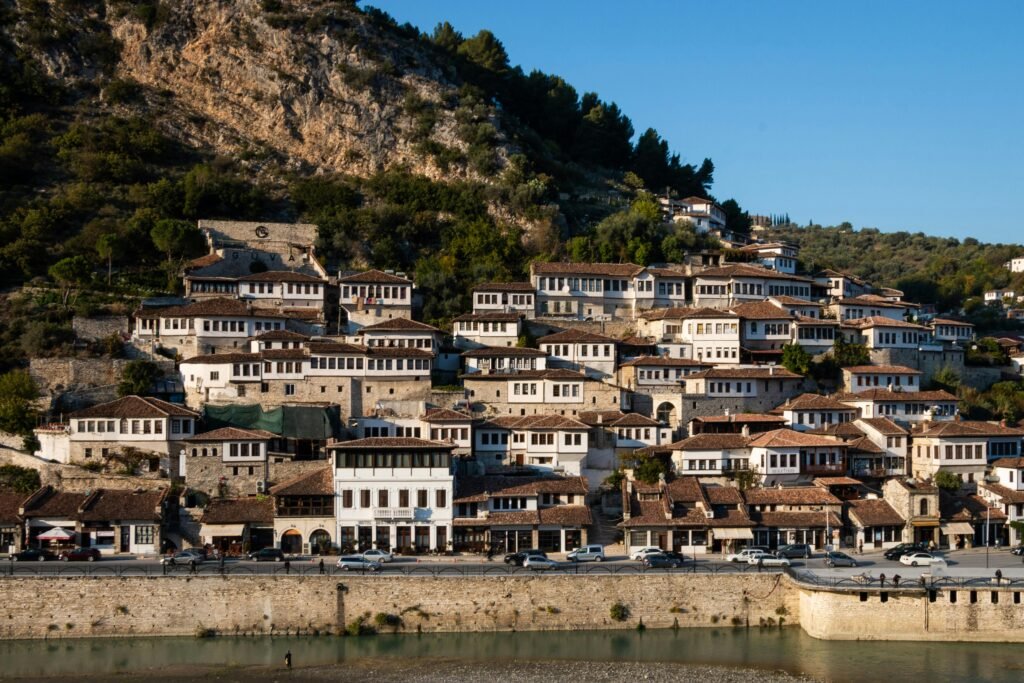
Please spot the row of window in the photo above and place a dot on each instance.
(402, 499)
(413, 343)
(374, 292)
(709, 352)
(493, 299)
(876, 380)
(400, 431)
(951, 452)
(713, 328)
(576, 284)
(416, 459)
(483, 326)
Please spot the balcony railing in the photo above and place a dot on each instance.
(395, 513)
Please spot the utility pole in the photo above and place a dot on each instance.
(988, 518)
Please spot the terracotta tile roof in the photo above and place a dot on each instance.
(576, 337)
(898, 396)
(566, 515)
(805, 320)
(866, 300)
(503, 352)
(794, 495)
(280, 276)
(135, 407)
(761, 310)
(739, 418)
(223, 359)
(1007, 496)
(918, 486)
(882, 370)
(748, 271)
(637, 341)
(233, 434)
(219, 307)
(1010, 463)
(685, 490)
(844, 430)
(666, 272)
(445, 415)
(607, 417)
(374, 277)
(724, 495)
(204, 261)
(865, 445)
(712, 442)
(283, 354)
(772, 372)
(316, 483)
(957, 508)
(518, 518)
(796, 520)
(10, 502)
(479, 489)
(664, 362)
(239, 511)
(685, 313)
(965, 429)
(950, 321)
(884, 426)
(793, 301)
(785, 438)
(489, 316)
(635, 420)
(836, 481)
(328, 347)
(554, 373)
(397, 352)
(537, 422)
(619, 270)
(48, 502)
(399, 325)
(505, 287)
(880, 321)
(814, 402)
(281, 335)
(874, 512)
(114, 505)
(397, 442)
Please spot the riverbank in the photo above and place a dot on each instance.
(450, 671)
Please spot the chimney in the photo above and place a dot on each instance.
(771, 370)
(745, 431)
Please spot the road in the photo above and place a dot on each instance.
(973, 563)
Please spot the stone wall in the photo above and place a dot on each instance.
(928, 362)
(67, 607)
(57, 376)
(912, 615)
(70, 607)
(95, 329)
(204, 474)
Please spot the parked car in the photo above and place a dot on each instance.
(198, 552)
(267, 555)
(517, 558)
(587, 553)
(918, 557)
(834, 558)
(183, 558)
(80, 555)
(1019, 550)
(639, 553)
(795, 550)
(673, 555)
(377, 555)
(898, 551)
(768, 560)
(745, 555)
(536, 562)
(358, 562)
(33, 555)
(660, 561)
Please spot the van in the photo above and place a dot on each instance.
(588, 553)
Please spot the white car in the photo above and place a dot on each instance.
(916, 558)
(536, 562)
(376, 555)
(745, 555)
(357, 562)
(639, 553)
(768, 560)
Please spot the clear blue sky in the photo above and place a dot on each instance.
(895, 115)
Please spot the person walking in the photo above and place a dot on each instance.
(321, 565)
(860, 548)
(288, 659)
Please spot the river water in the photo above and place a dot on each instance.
(788, 650)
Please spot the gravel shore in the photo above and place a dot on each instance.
(457, 671)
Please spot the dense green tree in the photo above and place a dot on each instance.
(21, 479)
(948, 481)
(137, 378)
(17, 391)
(848, 354)
(736, 219)
(71, 274)
(108, 246)
(796, 359)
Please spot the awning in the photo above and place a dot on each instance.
(956, 528)
(924, 522)
(212, 530)
(56, 534)
(733, 533)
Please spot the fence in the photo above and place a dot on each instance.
(867, 581)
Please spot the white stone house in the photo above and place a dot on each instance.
(593, 354)
(547, 443)
(861, 378)
(506, 297)
(503, 359)
(373, 296)
(494, 329)
(902, 406)
(814, 411)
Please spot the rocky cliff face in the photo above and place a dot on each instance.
(315, 84)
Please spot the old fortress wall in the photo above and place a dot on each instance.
(69, 607)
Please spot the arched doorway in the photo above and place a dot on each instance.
(666, 414)
(291, 542)
(319, 542)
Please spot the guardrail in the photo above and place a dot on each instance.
(15, 570)
(880, 581)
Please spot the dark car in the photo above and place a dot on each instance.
(660, 561)
(795, 550)
(33, 555)
(517, 558)
(80, 555)
(1019, 550)
(673, 555)
(898, 551)
(268, 555)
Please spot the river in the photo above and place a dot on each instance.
(788, 650)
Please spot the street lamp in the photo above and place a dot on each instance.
(988, 518)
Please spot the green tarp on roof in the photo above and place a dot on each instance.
(298, 422)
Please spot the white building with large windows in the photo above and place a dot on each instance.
(393, 493)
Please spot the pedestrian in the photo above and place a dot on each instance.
(287, 567)
(192, 567)
(999, 576)
(288, 659)
(860, 548)
(881, 579)
(896, 581)
(220, 561)
(321, 565)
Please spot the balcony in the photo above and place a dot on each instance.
(396, 514)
